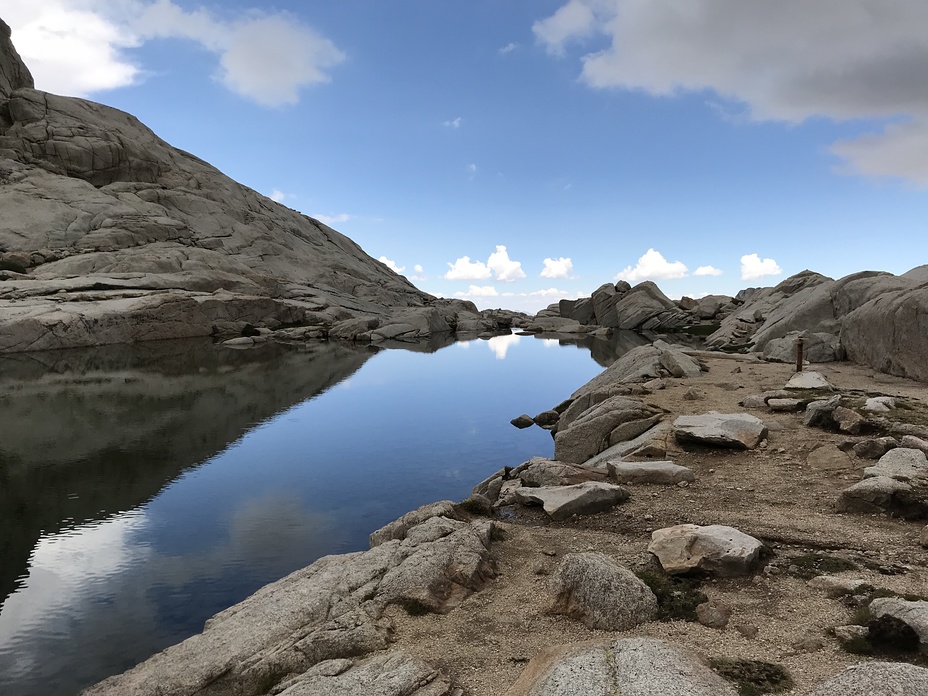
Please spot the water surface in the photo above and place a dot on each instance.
(145, 488)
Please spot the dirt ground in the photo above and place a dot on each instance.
(774, 493)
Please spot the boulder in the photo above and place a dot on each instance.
(875, 448)
(884, 494)
(720, 550)
(816, 347)
(848, 420)
(713, 614)
(912, 442)
(398, 528)
(593, 588)
(735, 430)
(651, 443)
(809, 379)
(562, 502)
(902, 464)
(819, 413)
(330, 610)
(628, 666)
(540, 472)
(760, 400)
(784, 405)
(828, 458)
(617, 419)
(876, 679)
(644, 307)
(546, 419)
(523, 421)
(912, 614)
(665, 473)
(880, 404)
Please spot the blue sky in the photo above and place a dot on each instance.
(518, 151)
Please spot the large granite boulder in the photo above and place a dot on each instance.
(735, 430)
(595, 589)
(902, 464)
(876, 679)
(628, 666)
(715, 549)
(617, 419)
(330, 610)
(913, 614)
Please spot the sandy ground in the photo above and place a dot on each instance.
(774, 494)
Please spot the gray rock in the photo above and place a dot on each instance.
(666, 473)
(883, 494)
(816, 347)
(735, 430)
(713, 614)
(828, 458)
(819, 413)
(13, 72)
(562, 502)
(651, 443)
(523, 421)
(849, 634)
(875, 448)
(595, 589)
(876, 679)
(614, 420)
(397, 529)
(388, 674)
(848, 420)
(717, 549)
(902, 464)
(808, 379)
(786, 405)
(546, 418)
(923, 538)
(880, 404)
(628, 666)
(912, 442)
(540, 472)
(678, 363)
(836, 586)
(760, 400)
(330, 610)
(912, 614)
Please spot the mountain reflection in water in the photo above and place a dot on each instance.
(144, 488)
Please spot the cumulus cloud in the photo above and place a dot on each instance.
(464, 269)
(653, 266)
(505, 269)
(707, 271)
(753, 267)
(785, 61)
(389, 263)
(418, 273)
(454, 123)
(500, 345)
(77, 47)
(557, 268)
(277, 196)
(478, 291)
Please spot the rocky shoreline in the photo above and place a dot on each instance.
(735, 528)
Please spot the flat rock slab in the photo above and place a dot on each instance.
(808, 380)
(561, 502)
(787, 405)
(716, 549)
(666, 473)
(736, 430)
(876, 679)
(829, 458)
(628, 666)
(392, 674)
(902, 464)
(597, 590)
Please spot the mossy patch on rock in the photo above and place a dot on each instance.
(808, 565)
(677, 597)
(753, 677)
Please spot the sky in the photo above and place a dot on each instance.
(516, 152)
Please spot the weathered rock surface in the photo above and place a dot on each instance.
(561, 502)
(875, 448)
(330, 610)
(819, 413)
(876, 679)
(595, 589)
(666, 473)
(808, 379)
(716, 549)
(736, 430)
(912, 614)
(816, 347)
(628, 666)
(617, 419)
(620, 306)
(110, 235)
(902, 464)
(884, 494)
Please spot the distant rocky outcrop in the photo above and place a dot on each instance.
(110, 235)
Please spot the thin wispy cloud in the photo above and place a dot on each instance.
(509, 48)
(331, 220)
(707, 271)
(77, 47)
(453, 123)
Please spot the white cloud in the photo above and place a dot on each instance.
(332, 219)
(557, 268)
(418, 268)
(653, 266)
(464, 269)
(752, 267)
(575, 20)
(838, 59)
(418, 273)
(506, 269)
(389, 263)
(478, 291)
(472, 170)
(508, 48)
(76, 47)
(707, 271)
(455, 123)
(277, 196)
(500, 345)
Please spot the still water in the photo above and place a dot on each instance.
(143, 489)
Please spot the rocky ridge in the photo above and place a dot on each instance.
(110, 235)
(716, 568)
